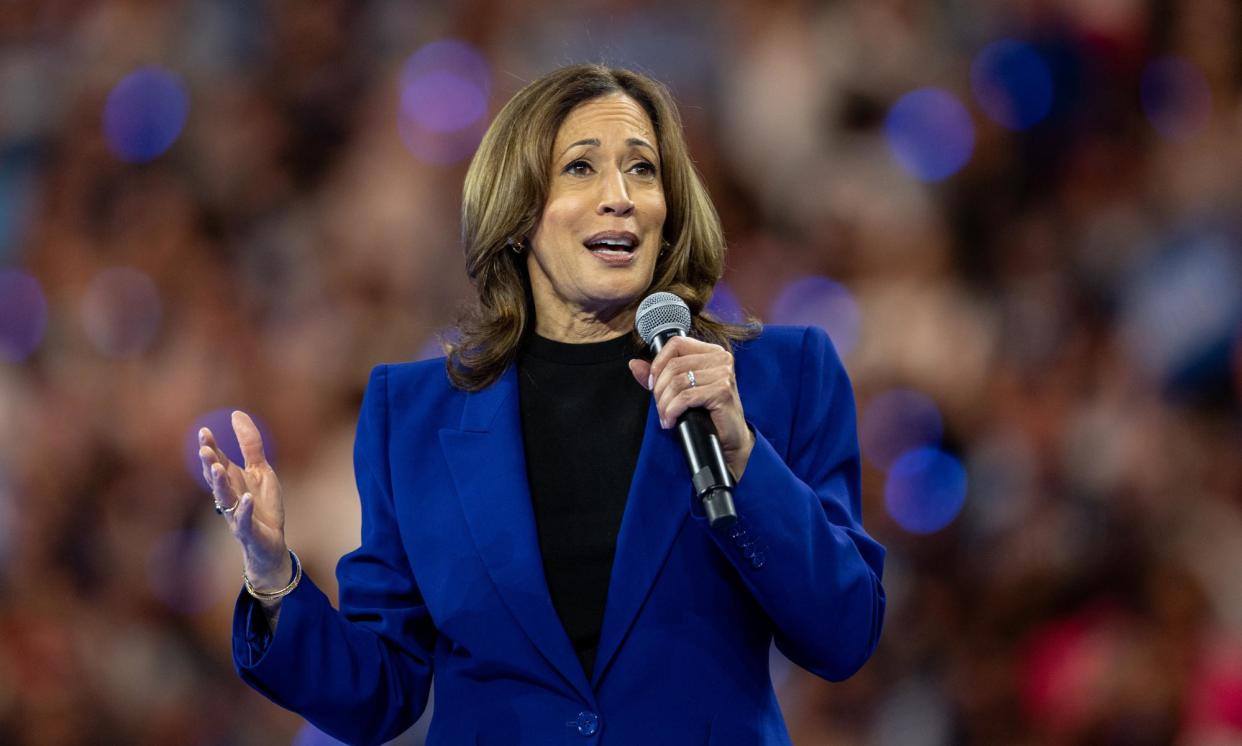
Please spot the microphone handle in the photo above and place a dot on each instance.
(709, 473)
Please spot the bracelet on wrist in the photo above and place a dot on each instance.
(273, 595)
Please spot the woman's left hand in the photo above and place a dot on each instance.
(714, 389)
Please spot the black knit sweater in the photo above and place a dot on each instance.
(582, 425)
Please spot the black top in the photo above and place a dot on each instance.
(583, 416)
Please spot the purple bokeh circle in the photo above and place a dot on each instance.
(819, 301)
(930, 134)
(145, 113)
(925, 490)
(23, 315)
(121, 311)
(445, 89)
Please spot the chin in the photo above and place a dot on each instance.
(617, 295)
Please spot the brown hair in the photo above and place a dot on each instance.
(504, 193)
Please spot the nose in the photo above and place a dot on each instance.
(614, 197)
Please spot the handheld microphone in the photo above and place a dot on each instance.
(660, 317)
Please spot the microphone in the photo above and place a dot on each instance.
(660, 317)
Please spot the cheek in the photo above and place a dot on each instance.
(655, 208)
(556, 227)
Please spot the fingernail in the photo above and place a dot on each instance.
(663, 423)
(202, 436)
(650, 381)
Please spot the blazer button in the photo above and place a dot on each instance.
(588, 723)
(757, 560)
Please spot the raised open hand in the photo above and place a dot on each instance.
(250, 500)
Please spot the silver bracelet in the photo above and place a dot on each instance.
(273, 595)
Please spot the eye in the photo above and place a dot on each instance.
(644, 168)
(578, 168)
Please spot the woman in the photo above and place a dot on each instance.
(528, 533)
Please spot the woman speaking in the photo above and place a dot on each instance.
(531, 540)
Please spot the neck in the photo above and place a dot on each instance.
(583, 326)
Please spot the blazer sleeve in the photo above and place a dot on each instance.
(361, 674)
(799, 545)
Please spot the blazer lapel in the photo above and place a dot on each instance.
(488, 464)
(657, 506)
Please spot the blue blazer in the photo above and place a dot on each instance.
(448, 584)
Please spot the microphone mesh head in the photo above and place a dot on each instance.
(660, 312)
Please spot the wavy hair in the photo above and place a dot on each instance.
(505, 190)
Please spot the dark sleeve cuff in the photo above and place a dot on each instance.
(252, 635)
(253, 638)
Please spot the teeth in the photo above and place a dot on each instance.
(622, 242)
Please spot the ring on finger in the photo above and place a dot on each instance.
(229, 510)
(690, 378)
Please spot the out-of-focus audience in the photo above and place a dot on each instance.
(1069, 301)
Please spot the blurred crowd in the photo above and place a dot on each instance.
(1070, 300)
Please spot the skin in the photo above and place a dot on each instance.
(611, 183)
(258, 521)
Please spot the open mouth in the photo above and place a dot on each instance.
(612, 245)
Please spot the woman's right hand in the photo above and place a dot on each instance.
(258, 519)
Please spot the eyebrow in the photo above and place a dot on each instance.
(631, 141)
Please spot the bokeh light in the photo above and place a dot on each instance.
(1176, 98)
(23, 315)
(445, 89)
(181, 572)
(925, 490)
(897, 421)
(930, 134)
(145, 113)
(443, 101)
(1012, 83)
(724, 305)
(1183, 307)
(121, 311)
(818, 301)
(220, 422)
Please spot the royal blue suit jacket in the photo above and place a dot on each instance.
(448, 582)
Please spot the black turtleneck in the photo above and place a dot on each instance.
(583, 416)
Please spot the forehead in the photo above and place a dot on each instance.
(615, 113)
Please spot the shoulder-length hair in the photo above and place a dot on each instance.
(505, 190)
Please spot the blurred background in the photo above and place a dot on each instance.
(1017, 220)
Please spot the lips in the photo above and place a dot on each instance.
(612, 241)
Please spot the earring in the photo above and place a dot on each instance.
(517, 247)
(664, 246)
